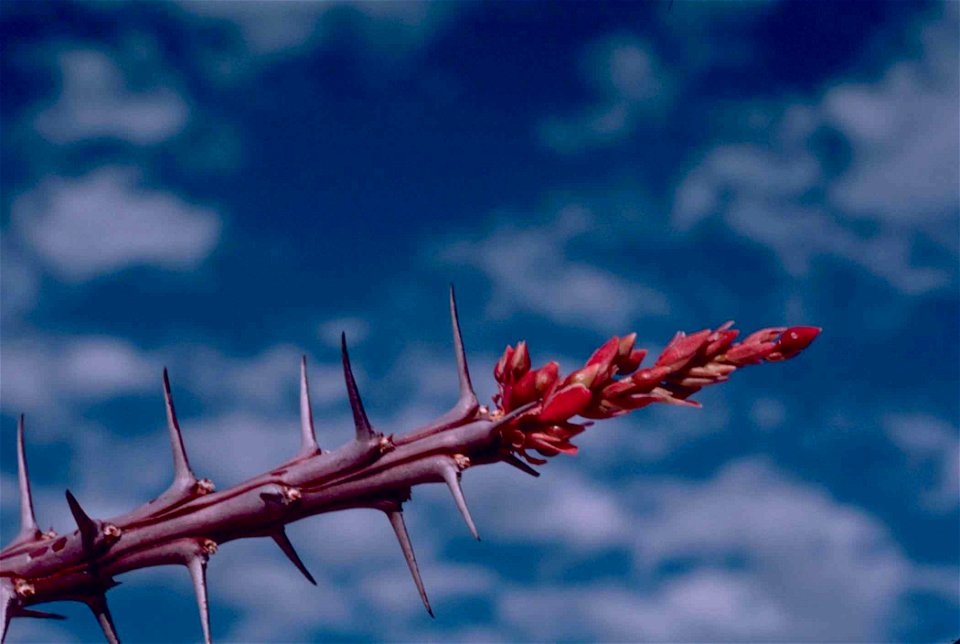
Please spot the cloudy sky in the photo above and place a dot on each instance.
(219, 187)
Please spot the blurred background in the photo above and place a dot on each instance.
(218, 187)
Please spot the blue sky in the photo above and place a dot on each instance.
(218, 188)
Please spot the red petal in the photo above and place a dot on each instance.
(585, 376)
(682, 348)
(500, 369)
(742, 354)
(796, 339)
(764, 335)
(630, 363)
(605, 355)
(520, 362)
(524, 391)
(547, 378)
(566, 402)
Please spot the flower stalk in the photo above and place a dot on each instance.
(536, 410)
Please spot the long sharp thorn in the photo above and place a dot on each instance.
(280, 536)
(182, 474)
(38, 614)
(519, 411)
(510, 459)
(400, 528)
(452, 478)
(308, 437)
(28, 521)
(198, 573)
(364, 430)
(98, 605)
(468, 399)
(88, 527)
(8, 599)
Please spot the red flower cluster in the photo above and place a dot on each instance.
(612, 384)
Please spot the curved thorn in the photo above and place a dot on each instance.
(88, 527)
(98, 605)
(364, 430)
(308, 437)
(8, 601)
(510, 459)
(452, 477)
(519, 411)
(198, 573)
(400, 528)
(282, 540)
(28, 521)
(38, 614)
(468, 399)
(182, 474)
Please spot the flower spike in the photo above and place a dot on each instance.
(308, 437)
(400, 528)
(28, 521)
(360, 420)
(198, 573)
(98, 606)
(451, 475)
(283, 541)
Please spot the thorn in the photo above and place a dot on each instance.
(98, 605)
(519, 411)
(198, 572)
(468, 399)
(510, 459)
(364, 430)
(38, 614)
(88, 527)
(28, 521)
(182, 474)
(282, 540)
(308, 437)
(400, 528)
(452, 477)
(8, 601)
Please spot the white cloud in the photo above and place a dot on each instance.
(268, 31)
(905, 132)
(96, 101)
(104, 222)
(531, 271)
(631, 84)
(904, 136)
(932, 446)
(757, 556)
(48, 373)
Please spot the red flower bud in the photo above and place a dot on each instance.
(793, 341)
(585, 376)
(629, 364)
(744, 353)
(605, 354)
(566, 402)
(547, 378)
(520, 362)
(500, 369)
(681, 349)
(764, 335)
(524, 391)
(719, 340)
(626, 345)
